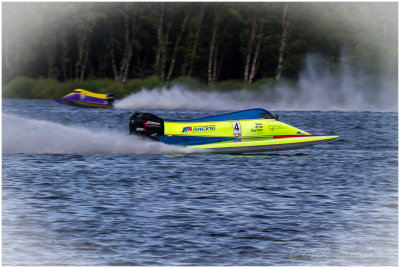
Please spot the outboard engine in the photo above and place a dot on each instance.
(110, 98)
(146, 124)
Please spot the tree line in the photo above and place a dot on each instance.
(208, 41)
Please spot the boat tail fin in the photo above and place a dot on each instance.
(146, 124)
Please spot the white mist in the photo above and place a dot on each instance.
(23, 135)
(319, 88)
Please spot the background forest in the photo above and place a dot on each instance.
(52, 48)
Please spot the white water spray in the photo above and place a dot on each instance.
(22, 135)
(318, 89)
(180, 97)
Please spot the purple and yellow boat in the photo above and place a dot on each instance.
(87, 99)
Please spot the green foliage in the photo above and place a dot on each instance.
(230, 85)
(44, 87)
(265, 82)
(21, 87)
(134, 85)
(103, 86)
(189, 82)
(70, 41)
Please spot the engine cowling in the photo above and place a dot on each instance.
(146, 124)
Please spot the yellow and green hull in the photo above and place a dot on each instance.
(254, 130)
(244, 145)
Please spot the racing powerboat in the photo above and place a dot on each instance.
(84, 98)
(252, 130)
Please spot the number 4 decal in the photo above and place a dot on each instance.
(236, 128)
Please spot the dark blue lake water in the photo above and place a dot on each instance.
(78, 190)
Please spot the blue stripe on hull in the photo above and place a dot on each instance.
(192, 140)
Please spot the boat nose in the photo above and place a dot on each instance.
(301, 132)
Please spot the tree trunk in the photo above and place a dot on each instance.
(51, 58)
(64, 55)
(172, 64)
(126, 70)
(130, 50)
(250, 50)
(219, 55)
(81, 39)
(159, 36)
(127, 52)
(85, 59)
(139, 66)
(113, 63)
(141, 63)
(285, 31)
(110, 49)
(221, 59)
(196, 41)
(121, 76)
(212, 48)
(215, 64)
(164, 51)
(103, 63)
(254, 65)
(64, 69)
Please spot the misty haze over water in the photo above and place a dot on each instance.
(319, 88)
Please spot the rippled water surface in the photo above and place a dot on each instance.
(78, 190)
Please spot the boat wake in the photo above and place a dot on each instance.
(31, 136)
(319, 88)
